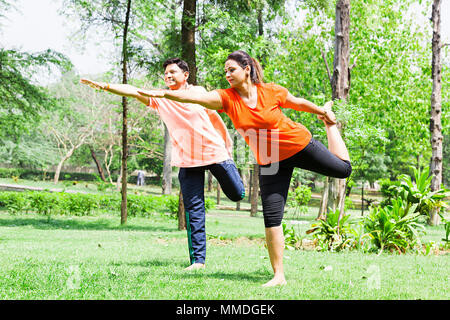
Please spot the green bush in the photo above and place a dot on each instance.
(394, 227)
(387, 191)
(299, 198)
(47, 203)
(334, 234)
(419, 192)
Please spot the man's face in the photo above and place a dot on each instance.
(175, 77)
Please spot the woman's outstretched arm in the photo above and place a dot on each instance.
(304, 105)
(116, 88)
(210, 100)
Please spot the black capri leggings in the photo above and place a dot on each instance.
(275, 186)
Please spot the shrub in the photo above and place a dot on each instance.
(394, 227)
(418, 192)
(47, 203)
(299, 198)
(291, 239)
(334, 234)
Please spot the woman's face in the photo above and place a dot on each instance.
(235, 74)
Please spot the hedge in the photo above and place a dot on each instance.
(39, 175)
(48, 203)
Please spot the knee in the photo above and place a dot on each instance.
(348, 169)
(272, 221)
(237, 194)
(345, 171)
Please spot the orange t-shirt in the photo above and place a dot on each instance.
(199, 136)
(270, 134)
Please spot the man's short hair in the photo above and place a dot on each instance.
(180, 63)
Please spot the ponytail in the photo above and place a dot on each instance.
(243, 59)
(257, 72)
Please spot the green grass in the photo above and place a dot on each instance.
(96, 258)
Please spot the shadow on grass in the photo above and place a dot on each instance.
(258, 276)
(99, 224)
(249, 276)
(157, 263)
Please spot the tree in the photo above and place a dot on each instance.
(23, 101)
(72, 124)
(340, 84)
(436, 107)
(123, 206)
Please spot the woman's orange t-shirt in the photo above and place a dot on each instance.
(270, 134)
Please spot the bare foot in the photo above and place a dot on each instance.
(195, 266)
(276, 281)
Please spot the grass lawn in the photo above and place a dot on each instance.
(96, 258)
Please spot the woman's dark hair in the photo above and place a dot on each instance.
(180, 63)
(243, 59)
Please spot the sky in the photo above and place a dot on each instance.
(36, 26)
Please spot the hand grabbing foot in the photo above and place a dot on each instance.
(329, 118)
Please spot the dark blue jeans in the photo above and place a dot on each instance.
(192, 183)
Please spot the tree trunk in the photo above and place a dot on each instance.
(436, 108)
(238, 203)
(210, 181)
(362, 198)
(97, 163)
(188, 38)
(340, 85)
(181, 213)
(250, 181)
(167, 168)
(123, 207)
(60, 164)
(324, 201)
(218, 193)
(255, 191)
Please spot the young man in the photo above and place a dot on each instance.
(200, 142)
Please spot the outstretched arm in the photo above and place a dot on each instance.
(210, 100)
(304, 105)
(119, 89)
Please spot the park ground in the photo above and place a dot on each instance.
(94, 257)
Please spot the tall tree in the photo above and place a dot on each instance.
(167, 168)
(123, 206)
(188, 22)
(334, 195)
(436, 107)
(188, 52)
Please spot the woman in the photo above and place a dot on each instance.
(278, 143)
(200, 142)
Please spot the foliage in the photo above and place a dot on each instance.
(172, 203)
(291, 238)
(23, 101)
(387, 191)
(79, 204)
(334, 234)
(419, 192)
(299, 198)
(394, 227)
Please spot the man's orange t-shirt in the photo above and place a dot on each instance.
(271, 135)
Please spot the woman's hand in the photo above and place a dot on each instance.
(152, 93)
(328, 117)
(94, 84)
